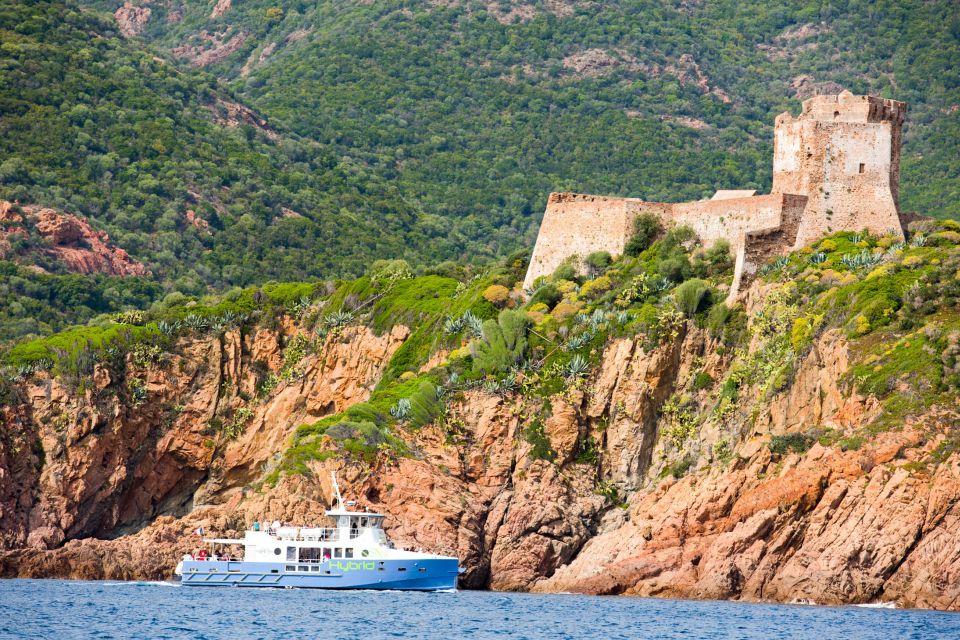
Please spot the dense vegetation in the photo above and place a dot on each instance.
(478, 115)
(423, 130)
(94, 125)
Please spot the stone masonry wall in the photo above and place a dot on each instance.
(577, 225)
(843, 153)
(836, 167)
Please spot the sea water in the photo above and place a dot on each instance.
(61, 610)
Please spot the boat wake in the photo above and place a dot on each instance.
(877, 605)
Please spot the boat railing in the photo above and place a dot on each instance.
(305, 534)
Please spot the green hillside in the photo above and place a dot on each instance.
(95, 125)
(478, 109)
(423, 130)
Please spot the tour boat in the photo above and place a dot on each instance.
(353, 555)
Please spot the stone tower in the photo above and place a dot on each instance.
(843, 153)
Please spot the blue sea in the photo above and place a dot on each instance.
(60, 610)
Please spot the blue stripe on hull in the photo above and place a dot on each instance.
(418, 575)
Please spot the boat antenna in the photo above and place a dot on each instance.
(336, 491)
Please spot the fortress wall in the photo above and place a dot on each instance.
(575, 224)
(729, 219)
(762, 245)
(835, 167)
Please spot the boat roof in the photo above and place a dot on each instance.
(345, 512)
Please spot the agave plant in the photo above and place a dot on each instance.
(817, 258)
(218, 326)
(863, 260)
(453, 325)
(577, 367)
(581, 318)
(899, 245)
(168, 328)
(401, 410)
(195, 322)
(598, 318)
(501, 387)
(623, 317)
(24, 371)
(579, 340)
(856, 238)
(918, 240)
(338, 319)
(473, 324)
(43, 364)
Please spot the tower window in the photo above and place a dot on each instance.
(836, 114)
(861, 167)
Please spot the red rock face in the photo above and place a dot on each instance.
(829, 525)
(71, 239)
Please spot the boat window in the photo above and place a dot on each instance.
(274, 570)
(365, 553)
(423, 568)
(291, 553)
(304, 568)
(401, 568)
(338, 553)
(313, 554)
(315, 569)
(348, 553)
(276, 551)
(363, 521)
(291, 567)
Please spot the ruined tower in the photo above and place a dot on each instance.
(843, 153)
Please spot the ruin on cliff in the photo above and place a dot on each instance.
(836, 167)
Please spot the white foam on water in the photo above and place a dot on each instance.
(877, 605)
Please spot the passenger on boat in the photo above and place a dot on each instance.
(256, 525)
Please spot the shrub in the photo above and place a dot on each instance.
(718, 258)
(797, 442)
(596, 288)
(566, 271)
(503, 343)
(389, 270)
(912, 262)
(692, 295)
(800, 333)
(497, 295)
(425, 405)
(598, 261)
(828, 245)
(702, 381)
(675, 268)
(646, 228)
(548, 294)
(565, 309)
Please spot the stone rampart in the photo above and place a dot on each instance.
(836, 167)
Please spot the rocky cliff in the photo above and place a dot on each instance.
(643, 474)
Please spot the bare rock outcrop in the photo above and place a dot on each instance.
(69, 239)
(132, 19)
